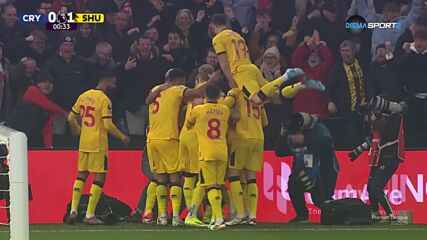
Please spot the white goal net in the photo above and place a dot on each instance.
(14, 183)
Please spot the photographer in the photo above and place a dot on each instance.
(386, 151)
(315, 167)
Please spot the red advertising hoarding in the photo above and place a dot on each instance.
(52, 174)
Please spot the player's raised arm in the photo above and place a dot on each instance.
(156, 92)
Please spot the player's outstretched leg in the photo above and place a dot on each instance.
(150, 202)
(191, 219)
(271, 88)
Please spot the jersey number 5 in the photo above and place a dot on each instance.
(214, 132)
(156, 105)
(87, 114)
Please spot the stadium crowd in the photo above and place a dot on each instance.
(43, 72)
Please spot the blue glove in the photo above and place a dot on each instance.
(292, 73)
(313, 84)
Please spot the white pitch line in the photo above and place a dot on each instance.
(229, 229)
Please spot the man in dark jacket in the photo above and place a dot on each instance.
(118, 37)
(176, 54)
(12, 34)
(138, 76)
(383, 79)
(345, 93)
(70, 73)
(413, 66)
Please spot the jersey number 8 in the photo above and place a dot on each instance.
(214, 132)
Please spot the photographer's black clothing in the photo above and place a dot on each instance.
(296, 191)
(321, 173)
(385, 155)
(378, 179)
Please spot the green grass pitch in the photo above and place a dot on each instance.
(263, 231)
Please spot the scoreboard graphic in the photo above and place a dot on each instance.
(62, 21)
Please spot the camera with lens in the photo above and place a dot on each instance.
(299, 122)
(360, 149)
(380, 105)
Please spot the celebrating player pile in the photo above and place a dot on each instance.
(208, 117)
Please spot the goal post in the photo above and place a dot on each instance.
(16, 144)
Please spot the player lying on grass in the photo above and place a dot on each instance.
(235, 62)
(95, 111)
(211, 121)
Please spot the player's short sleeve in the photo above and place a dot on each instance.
(76, 107)
(218, 44)
(155, 88)
(106, 109)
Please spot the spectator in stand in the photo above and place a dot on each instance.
(71, 76)
(5, 66)
(345, 94)
(69, 71)
(263, 25)
(383, 79)
(271, 69)
(35, 112)
(408, 36)
(184, 20)
(101, 61)
(36, 47)
(212, 60)
(391, 13)
(86, 40)
(139, 75)
(329, 25)
(68, 6)
(315, 58)
(176, 54)
(12, 34)
(413, 66)
(285, 44)
(153, 34)
(199, 36)
(244, 11)
(21, 77)
(210, 7)
(118, 37)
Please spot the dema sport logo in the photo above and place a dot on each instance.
(357, 24)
